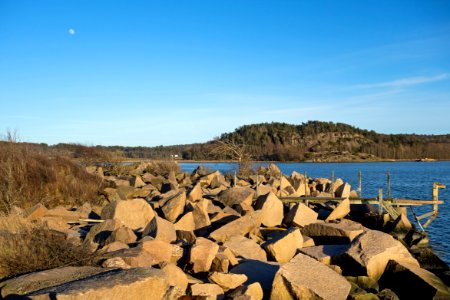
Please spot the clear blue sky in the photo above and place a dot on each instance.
(173, 72)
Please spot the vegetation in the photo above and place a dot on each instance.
(28, 248)
(29, 175)
(309, 141)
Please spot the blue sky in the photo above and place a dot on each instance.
(175, 72)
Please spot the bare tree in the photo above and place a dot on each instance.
(234, 151)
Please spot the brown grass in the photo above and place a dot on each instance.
(28, 177)
(27, 248)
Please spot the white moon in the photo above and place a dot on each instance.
(72, 31)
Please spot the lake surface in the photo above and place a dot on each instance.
(413, 180)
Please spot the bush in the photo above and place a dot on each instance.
(28, 177)
(27, 248)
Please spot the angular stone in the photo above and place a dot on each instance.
(284, 246)
(342, 210)
(187, 237)
(136, 181)
(99, 233)
(300, 215)
(195, 193)
(186, 222)
(135, 283)
(200, 214)
(245, 248)
(35, 281)
(136, 257)
(220, 263)
(227, 281)
(409, 281)
(325, 253)
(161, 229)
(115, 262)
(247, 224)
(207, 291)
(272, 209)
(175, 276)
(202, 254)
(305, 278)
(122, 234)
(135, 214)
(174, 206)
(343, 190)
(160, 251)
(35, 212)
(114, 246)
(333, 233)
(229, 254)
(257, 271)
(250, 292)
(370, 252)
(274, 170)
(236, 196)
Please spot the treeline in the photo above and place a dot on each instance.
(310, 141)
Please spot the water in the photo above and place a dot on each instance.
(413, 180)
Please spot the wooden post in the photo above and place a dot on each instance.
(257, 184)
(235, 178)
(306, 183)
(279, 189)
(380, 202)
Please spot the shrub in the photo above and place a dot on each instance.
(27, 248)
(28, 177)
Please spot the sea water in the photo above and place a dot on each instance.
(410, 180)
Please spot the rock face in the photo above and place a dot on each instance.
(174, 206)
(272, 209)
(300, 215)
(202, 254)
(160, 251)
(236, 196)
(160, 229)
(325, 254)
(257, 271)
(283, 247)
(135, 214)
(305, 278)
(208, 291)
(370, 252)
(32, 282)
(136, 283)
(245, 248)
(250, 292)
(333, 233)
(247, 224)
(409, 281)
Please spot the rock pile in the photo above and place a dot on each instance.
(201, 236)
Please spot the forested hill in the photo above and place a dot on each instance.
(311, 141)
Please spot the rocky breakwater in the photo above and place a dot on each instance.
(202, 236)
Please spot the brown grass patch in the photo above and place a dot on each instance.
(27, 247)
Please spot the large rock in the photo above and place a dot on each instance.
(161, 229)
(300, 215)
(174, 206)
(200, 214)
(245, 248)
(305, 278)
(202, 254)
(136, 283)
(175, 275)
(257, 271)
(122, 234)
(160, 251)
(284, 246)
(343, 190)
(207, 291)
(99, 233)
(35, 281)
(227, 281)
(326, 254)
(186, 222)
(333, 233)
(136, 257)
(409, 281)
(272, 209)
(196, 193)
(247, 224)
(236, 196)
(250, 292)
(135, 214)
(370, 252)
(342, 210)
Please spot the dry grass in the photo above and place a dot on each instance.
(162, 167)
(27, 247)
(28, 177)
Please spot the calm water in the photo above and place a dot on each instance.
(408, 180)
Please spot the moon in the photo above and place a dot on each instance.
(72, 31)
